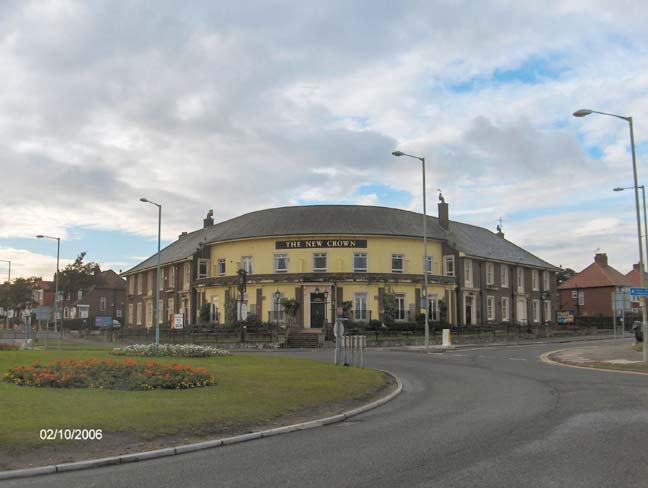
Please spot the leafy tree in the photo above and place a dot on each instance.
(346, 309)
(390, 306)
(564, 274)
(17, 293)
(230, 308)
(78, 275)
(290, 306)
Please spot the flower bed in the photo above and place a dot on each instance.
(123, 374)
(5, 346)
(172, 350)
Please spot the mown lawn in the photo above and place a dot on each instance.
(250, 390)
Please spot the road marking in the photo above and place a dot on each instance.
(518, 359)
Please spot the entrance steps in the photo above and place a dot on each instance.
(304, 340)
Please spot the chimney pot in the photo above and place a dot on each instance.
(209, 220)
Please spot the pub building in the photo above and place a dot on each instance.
(325, 255)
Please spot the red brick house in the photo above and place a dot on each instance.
(589, 293)
(635, 275)
(105, 297)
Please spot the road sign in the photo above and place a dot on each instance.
(639, 292)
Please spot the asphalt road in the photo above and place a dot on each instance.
(495, 417)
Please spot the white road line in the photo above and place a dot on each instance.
(518, 359)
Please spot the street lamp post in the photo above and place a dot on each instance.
(642, 264)
(425, 250)
(156, 307)
(9, 281)
(56, 279)
(643, 194)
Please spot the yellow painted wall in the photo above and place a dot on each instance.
(379, 251)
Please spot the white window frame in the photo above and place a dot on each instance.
(535, 280)
(536, 311)
(172, 272)
(79, 294)
(102, 304)
(490, 274)
(149, 282)
(221, 266)
(547, 310)
(160, 311)
(490, 308)
(149, 314)
(66, 312)
(320, 255)
(130, 314)
(278, 312)
(247, 263)
(504, 275)
(360, 307)
(546, 281)
(519, 278)
(203, 262)
(187, 276)
(402, 307)
(161, 279)
(402, 261)
(276, 259)
(360, 269)
(581, 298)
(170, 308)
(468, 272)
(429, 266)
(139, 313)
(131, 285)
(139, 283)
(433, 304)
(574, 294)
(448, 265)
(506, 308)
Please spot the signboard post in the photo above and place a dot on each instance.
(338, 332)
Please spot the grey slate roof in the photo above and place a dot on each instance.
(343, 220)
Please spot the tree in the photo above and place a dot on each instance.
(564, 274)
(390, 306)
(290, 306)
(18, 293)
(78, 275)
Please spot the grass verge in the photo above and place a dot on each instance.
(251, 391)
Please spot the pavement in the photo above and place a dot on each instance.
(482, 417)
(612, 354)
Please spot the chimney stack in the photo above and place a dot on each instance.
(209, 220)
(182, 235)
(499, 232)
(444, 221)
(601, 258)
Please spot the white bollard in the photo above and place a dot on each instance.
(447, 341)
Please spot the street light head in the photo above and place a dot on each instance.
(398, 153)
(39, 236)
(618, 188)
(143, 200)
(582, 112)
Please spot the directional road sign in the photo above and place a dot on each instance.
(640, 292)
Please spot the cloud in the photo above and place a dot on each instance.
(262, 104)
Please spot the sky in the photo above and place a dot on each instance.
(238, 107)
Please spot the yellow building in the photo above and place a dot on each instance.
(323, 256)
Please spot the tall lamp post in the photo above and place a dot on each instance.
(643, 194)
(425, 250)
(157, 288)
(642, 265)
(56, 279)
(9, 281)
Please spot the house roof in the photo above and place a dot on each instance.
(344, 220)
(110, 279)
(596, 275)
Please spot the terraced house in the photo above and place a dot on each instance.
(327, 257)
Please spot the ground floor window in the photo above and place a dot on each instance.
(130, 313)
(278, 312)
(505, 309)
(139, 313)
(547, 311)
(434, 308)
(149, 314)
(490, 308)
(536, 310)
(400, 301)
(360, 307)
